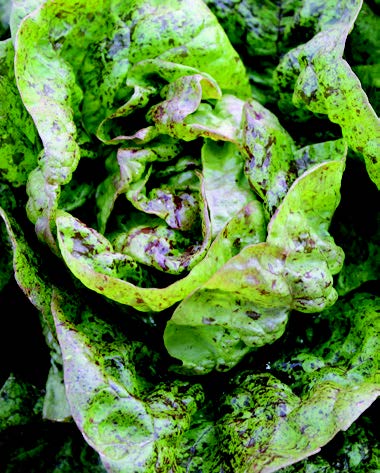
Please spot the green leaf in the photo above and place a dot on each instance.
(133, 430)
(302, 221)
(244, 304)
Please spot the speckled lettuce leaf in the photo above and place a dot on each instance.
(68, 94)
(246, 303)
(90, 257)
(19, 139)
(317, 153)
(177, 193)
(184, 115)
(267, 426)
(134, 425)
(184, 240)
(325, 84)
(29, 273)
(129, 172)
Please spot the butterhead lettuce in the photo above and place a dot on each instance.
(189, 204)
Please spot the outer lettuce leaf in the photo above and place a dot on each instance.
(49, 90)
(325, 84)
(134, 427)
(32, 280)
(90, 257)
(246, 303)
(259, 423)
(355, 450)
(263, 424)
(19, 140)
(362, 52)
